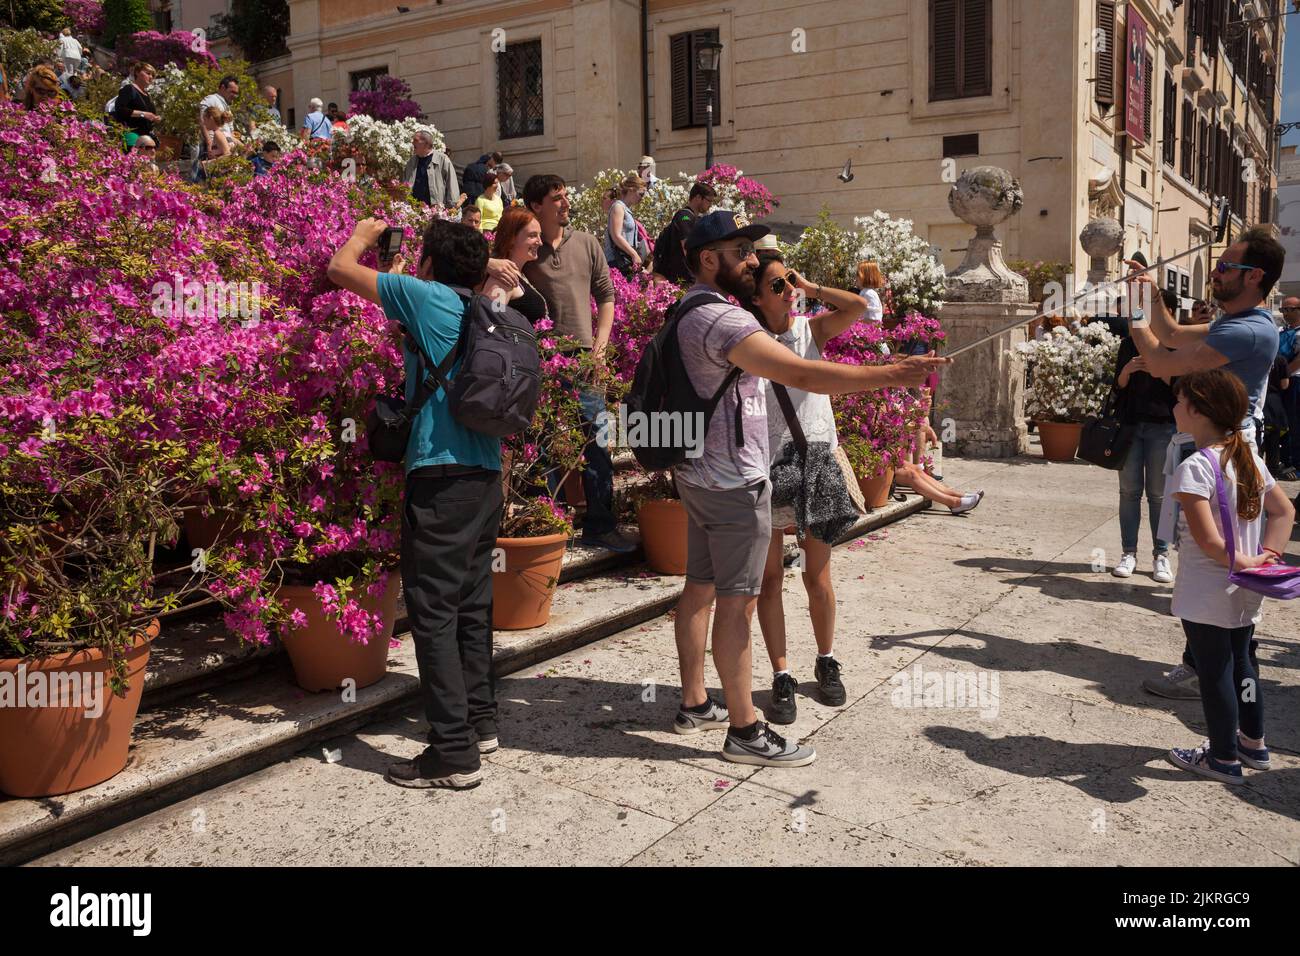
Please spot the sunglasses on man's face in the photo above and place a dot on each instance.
(744, 250)
(1222, 267)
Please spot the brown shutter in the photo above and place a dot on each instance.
(1188, 162)
(976, 38)
(1169, 126)
(1214, 27)
(681, 79)
(943, 50)
(1147, 95)
(1103, 89)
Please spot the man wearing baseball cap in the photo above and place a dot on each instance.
(725, 489)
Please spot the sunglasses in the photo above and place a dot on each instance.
(1222, 267)
(745, 249)
(780, 283)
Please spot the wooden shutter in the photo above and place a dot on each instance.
(976, 56)
(1214, 25)
(700, 84)
(943, 49)
(1169, 128)
(1148, 95)
(1103, 87)
(681, 80)
(1188, 164)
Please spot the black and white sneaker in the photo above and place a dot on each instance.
(830, 690)
(783, 709)
(488, 745)
(424, 773)
(767, 749)
(689, 722)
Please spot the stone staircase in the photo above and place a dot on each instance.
(214, 710)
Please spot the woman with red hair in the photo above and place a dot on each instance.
(518, 237)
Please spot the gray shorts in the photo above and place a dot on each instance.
(727, 536)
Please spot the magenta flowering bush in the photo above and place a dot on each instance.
(127, 366)
(87, 16)
(159, 49)
(757, 199)
(389, 101)
(877, 428)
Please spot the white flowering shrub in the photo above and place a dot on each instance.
(385, 145)
(916, 278)
(269, 129)
(669, 194)
(1072, 373)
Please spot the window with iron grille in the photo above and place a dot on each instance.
(961, 49)
(367, 80)
(520, 108)
(690, 85)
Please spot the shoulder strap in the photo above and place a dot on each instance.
(1224, 514)
(436, 375)
(791, 419)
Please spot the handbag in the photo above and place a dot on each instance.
(1281, 581)
(851, 485)
(1105, 440)
(388, 426)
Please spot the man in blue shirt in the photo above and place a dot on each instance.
(451, 509)
(1243, 340)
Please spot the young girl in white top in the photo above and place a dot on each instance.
(1218, 617)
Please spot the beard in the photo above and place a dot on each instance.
(737, 281)
(1220, 291)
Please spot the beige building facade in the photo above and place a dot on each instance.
(909, 92)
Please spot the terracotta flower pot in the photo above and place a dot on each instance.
(663, 535)
(522, 593)
(208, 530)
(574, 493)
(78, 733)
(323, 657)
(172, 146)
(876, 490)
(1060, 439)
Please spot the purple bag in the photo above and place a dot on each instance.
(1280, 581)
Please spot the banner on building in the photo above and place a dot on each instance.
(1135, 73)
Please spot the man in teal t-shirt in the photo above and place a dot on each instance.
(451, 509)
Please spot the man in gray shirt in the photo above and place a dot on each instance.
(725, 490)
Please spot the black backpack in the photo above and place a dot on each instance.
(664, 251)
(662, 385)
(495, 391)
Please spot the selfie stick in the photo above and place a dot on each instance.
(1219, 232)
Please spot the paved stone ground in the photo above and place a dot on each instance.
(1062, 763)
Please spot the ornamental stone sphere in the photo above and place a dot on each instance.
(984, 196)
(1102, 238)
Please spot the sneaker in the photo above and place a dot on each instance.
(830, 691)
(687, 722)
(1180, 683)
(611, 541)
(426, 774)
(488, 745)
(1126, 566)
(968, 503)
(1252, 758)
(1287, 474)
(1163, 573)
(768, 749)
(1200, 761)
(783, 709)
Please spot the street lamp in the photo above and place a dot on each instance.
(707, 54)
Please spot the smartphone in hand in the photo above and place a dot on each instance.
(390, 243)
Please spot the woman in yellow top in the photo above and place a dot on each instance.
(490, 203)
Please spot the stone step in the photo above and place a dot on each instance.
(215, 734)
(196, 652)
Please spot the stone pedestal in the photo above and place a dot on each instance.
(983, 391)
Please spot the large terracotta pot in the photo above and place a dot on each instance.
(523, 591)
(876, 490)
(322, 657)
(52, 747)
(663, 535)
(207, 530)
(171, 145)
(1060, 439)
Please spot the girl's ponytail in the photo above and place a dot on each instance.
(1250, 484)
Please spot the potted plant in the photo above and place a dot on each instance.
(661, 516)
(535, 529)
(1072, 375)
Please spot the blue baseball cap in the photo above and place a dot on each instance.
(720, 226)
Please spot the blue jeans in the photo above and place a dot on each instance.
(1144, 469)
(597, 471)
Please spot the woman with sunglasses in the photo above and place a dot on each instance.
(778, 289)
